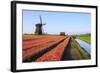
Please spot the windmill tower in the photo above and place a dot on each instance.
(39, 27)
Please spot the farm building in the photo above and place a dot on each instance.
(62, 33)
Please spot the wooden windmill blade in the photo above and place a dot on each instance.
(41, 24)
(42, 30)
(40, 20)
(42, 27)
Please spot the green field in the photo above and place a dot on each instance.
(85, 37)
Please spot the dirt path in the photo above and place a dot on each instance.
(72, 52)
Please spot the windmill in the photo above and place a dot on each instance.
(39, 27)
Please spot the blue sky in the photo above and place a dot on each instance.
(56, 22)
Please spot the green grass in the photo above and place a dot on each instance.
(86, 38)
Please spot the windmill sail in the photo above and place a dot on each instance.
(40, 20)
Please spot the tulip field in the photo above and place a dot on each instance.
(37, 48)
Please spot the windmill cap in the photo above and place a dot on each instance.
(39, 24)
